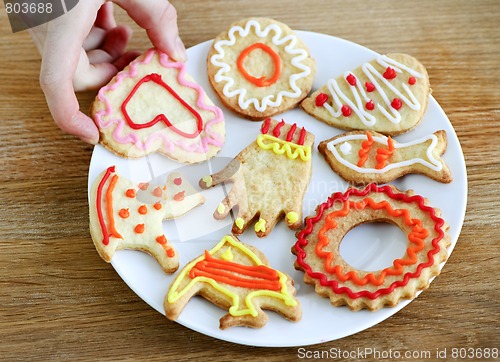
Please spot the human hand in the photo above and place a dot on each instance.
(85, 48)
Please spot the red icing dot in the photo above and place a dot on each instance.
(412, 81)
(351, 79)
(124, 213)
(142, 210)
(346, 110)
(177, 181)
(370, 105)
(389, 73)
(179, 196)
(157, 205)
(396, 103)
(157, 191)
(130, 193)
(321, 99)
(370, 87)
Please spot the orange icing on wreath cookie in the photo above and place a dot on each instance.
(318, 245)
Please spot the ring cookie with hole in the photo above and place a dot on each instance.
(259, 68)
(237, 277)
(318, 245)
(362, 157)
(153, 105)
(388, 95)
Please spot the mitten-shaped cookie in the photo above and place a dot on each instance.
(269, 177)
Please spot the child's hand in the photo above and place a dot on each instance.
(84, 49)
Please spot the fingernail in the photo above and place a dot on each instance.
(180, 50)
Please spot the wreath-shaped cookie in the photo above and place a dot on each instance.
(317, 247)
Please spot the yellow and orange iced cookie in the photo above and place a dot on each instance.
(234, 276)
(318, 245)
(153, 105)
(128, 216)
(259, 68)
(270, 177)
(388, 95)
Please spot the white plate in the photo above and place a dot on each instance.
(197, 231)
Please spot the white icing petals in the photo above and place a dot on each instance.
(433, 163)
(271, 100)
(378, 80)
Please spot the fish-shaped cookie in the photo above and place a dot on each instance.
(234, 276)
(388, 95)
(362, 157)
(128, 216)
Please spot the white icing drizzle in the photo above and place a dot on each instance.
(345, 148)
(301, 54)
(433, 163)
(361, 97)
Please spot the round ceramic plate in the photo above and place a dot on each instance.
(368, 247)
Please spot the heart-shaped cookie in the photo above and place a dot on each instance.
(154, 106)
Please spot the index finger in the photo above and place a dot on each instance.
(159, 19)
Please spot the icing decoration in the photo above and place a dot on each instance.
(321, 99)
(417, 236)
(121, 134)
(346, 110)
(207, 180)
(412, 80)
(287, 43)
(260, 226)
(345, 148)
(157, 205)
(342, 101)
(370, 105)
(104, 229)
(389, 73)
(365, 149)
(292, 217)
(143, 210)
(158, 191)
(162, 240)
(262, 81)
(156, 78)
(208, 269)
(367, 140)
(239, 222)
(179, 196)
(287, 147)
(178, 181)
(351, 79)
(221, 208)
(396, 103)
(130, 193)
(227, 255)
(139, 228)
(124, 213)
(143, 186)
(383, 154)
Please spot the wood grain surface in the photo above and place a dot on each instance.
(60, 301)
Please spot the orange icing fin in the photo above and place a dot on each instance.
(384, 153)
(365, 149)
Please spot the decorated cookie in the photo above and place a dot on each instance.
(234, 276)
(126, 216)
(269, 177)
(388, 95)
(260, 68)
(362, 157)
(153, 105)
(318, 245)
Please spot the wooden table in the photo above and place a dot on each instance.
(59, 300)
